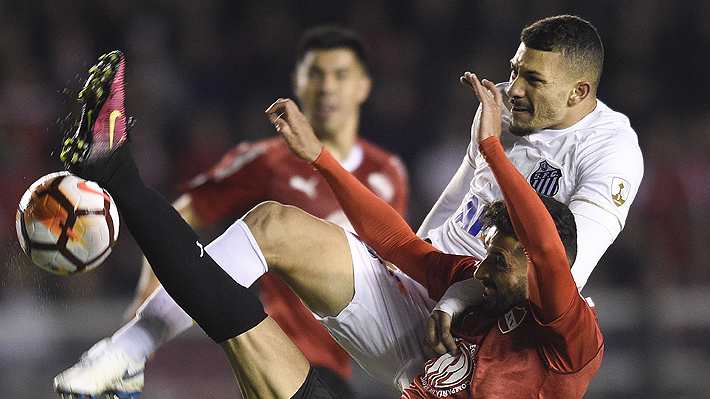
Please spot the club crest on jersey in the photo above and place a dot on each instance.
(509, 321)
(546, 179)
(447, 374)
(620, 189)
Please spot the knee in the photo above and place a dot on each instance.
(269, 221)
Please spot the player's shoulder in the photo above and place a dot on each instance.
(607, 131)
(606, 121)
(264, 152)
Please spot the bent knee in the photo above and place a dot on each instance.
(271, 221)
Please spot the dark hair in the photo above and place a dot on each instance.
(327, 37)
(497, 215)
(576, 39)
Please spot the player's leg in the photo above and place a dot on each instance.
(226, 310)
(375, 312)
(310, 254)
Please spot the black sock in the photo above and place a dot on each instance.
(221, 306)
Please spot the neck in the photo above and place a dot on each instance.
(340, 143)
(585, 109)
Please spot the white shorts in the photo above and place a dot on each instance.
(384, 325)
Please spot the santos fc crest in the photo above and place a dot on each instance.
(546, 179)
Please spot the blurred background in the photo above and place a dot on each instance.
(200, 75)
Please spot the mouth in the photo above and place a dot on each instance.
(520, 108)
(488, 291)
(326, 110)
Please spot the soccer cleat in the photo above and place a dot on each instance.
(103, 125)
(104, 371)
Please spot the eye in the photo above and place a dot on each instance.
(534, 81)
(315, 74)
(501, 263)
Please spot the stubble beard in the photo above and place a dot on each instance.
(498, 308)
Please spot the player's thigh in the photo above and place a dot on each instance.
(312, 255)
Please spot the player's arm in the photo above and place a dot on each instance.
(610, 172)
(550, 283)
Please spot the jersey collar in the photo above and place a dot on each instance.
(353, 160)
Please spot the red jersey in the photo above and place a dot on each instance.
(516, 355)
(267, 170)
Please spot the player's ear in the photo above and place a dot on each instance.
(365, 88)
(581, 90)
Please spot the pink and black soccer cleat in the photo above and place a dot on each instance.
(103, 125)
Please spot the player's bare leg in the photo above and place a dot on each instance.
(311, 255)
(258, 359)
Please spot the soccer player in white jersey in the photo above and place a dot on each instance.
(562, 139)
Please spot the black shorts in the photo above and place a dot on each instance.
(314, 388)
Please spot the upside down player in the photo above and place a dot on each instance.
(532, 336)
(331, 81)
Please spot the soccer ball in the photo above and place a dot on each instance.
(65, 224)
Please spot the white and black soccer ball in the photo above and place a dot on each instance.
(65, 224)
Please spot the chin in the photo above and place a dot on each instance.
(520, 131)
(492, 310)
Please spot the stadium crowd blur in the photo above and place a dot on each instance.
(200, 75)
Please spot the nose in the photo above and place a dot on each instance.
(514, 89)
(481, 272)
(329, 83)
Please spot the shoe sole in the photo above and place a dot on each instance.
(76, 146)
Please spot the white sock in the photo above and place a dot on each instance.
(157, 321)
(160, 319)
(237, 252)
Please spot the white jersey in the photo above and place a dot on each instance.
(594, 166)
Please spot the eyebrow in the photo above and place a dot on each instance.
(528, 72)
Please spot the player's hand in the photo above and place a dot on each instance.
(491, 106)
(439, 333)
(295, 129)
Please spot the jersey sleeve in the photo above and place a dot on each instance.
(382, 228)
(572, 336)
(610, 170)
(228, 189)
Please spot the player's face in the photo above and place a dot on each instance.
(539, 91)
(503, 274)
(330, 86)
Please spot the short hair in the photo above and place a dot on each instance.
(573, 37)
(497, 215)
(327, 37)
